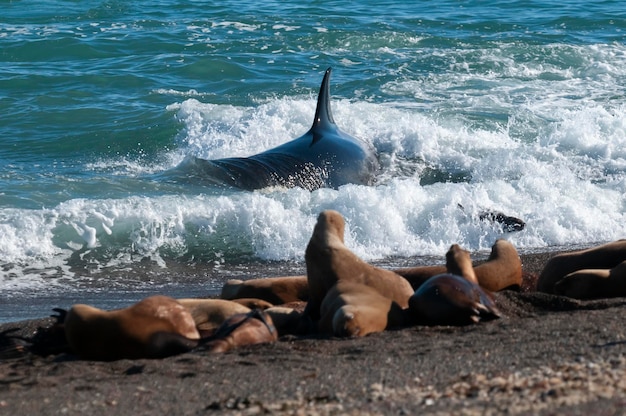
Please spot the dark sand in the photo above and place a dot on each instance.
(548, 355)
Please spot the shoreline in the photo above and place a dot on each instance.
(547, 355)
(127, 287)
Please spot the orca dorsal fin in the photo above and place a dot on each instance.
(323, 116)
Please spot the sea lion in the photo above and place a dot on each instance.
(253, 303)
(507, 222)
(209, 314)
(254, 327)
(452, 299)
(594, 283)
(605, 256)
(459, 262)
(352, 309)
(323, 157)
(275, 290)
(155, 327)
(329, 261)
(502, 270)
(417, 275)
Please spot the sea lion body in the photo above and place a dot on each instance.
(253, 303)
(452, 299)
(209, 314)
(275, 290)
(352, 309)
(605, 256)
(155, 327)
(594, 283)
(502, 270)
(329, 261)
(507, 222)
(417, 275)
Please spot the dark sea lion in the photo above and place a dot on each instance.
(452, 299)
(12, 346)
(254, 327)
(594, 283)
(275, 290)
(323, 157)
(329, 261)
(286, 319)
(502, 270)
(507, 222)
(209, 314)
(352, 309)
(155, 327)
(605, 256)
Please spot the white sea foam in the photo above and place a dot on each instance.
(236, 25)
(169, 91)
(286, 28)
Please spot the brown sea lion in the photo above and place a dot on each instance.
(155, 327)
(452, 299)
(352, 309)
(417, 275)
(254, 327)
(459, 262)
(253, 303)
(209, 314)
(275, 290)
(594, 283)
(328, 261)
(502, 270)
(605, 256)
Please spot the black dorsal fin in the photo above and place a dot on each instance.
(323, 116)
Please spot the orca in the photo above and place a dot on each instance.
(323, 157)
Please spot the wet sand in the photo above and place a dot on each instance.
(547, 355)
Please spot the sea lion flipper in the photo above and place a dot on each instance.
(485, 312)
(254, 327)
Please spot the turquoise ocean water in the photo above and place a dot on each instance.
(514, 106)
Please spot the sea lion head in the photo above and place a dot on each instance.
(449, 299)
(330, 227)
(503, 249)
(459, 262)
